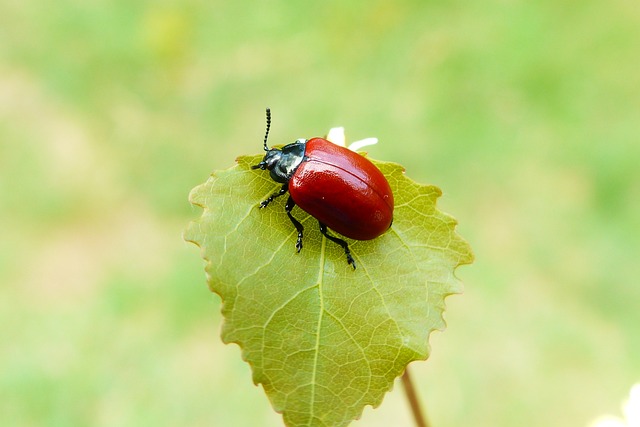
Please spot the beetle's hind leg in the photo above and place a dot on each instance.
(345, 245)
(288, 207)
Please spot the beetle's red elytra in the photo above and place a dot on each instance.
(340, 188)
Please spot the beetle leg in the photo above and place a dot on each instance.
(280, 192)
(288, 207)
(345, 245)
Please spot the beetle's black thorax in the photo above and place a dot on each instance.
(282, 163)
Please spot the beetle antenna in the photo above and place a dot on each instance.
(266, 134)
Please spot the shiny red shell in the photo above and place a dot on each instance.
(343, 190)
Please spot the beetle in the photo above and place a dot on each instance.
(340, 188)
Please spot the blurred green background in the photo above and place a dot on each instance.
(526, 114)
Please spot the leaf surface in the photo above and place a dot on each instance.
(322, 339)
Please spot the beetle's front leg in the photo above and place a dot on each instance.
(282, 190)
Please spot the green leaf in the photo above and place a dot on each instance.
(322, 339)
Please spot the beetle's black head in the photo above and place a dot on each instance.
(281, 163)
(270, 160)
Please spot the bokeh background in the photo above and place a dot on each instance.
(526, 114)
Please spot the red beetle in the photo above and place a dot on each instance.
(340, 188)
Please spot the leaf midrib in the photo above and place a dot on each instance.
(319, 325)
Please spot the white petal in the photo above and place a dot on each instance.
(336, 135)
(608, 421)
(631, 408)
(357, 145)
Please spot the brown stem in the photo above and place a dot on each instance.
(416, 409)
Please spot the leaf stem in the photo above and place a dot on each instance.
(416, 409)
